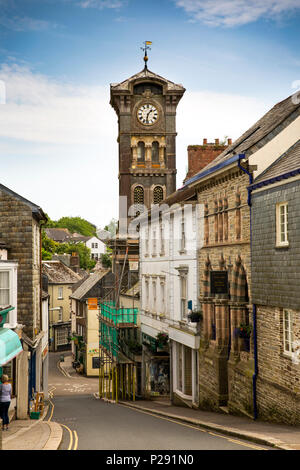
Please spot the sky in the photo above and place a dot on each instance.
(58, 132)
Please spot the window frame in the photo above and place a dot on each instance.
(279, 224)
(12, 268)
(60, 296)
(289, 330)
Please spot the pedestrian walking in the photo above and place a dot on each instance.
(5, 399)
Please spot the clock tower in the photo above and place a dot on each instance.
(146, 106)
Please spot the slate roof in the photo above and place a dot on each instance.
(87, 285)
(286, 163)
(37, 211)
(250, 141)
(146, 73)
(58, 234)
(58, 273)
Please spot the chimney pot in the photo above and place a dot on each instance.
(229, 141)
(217, 141)
(204, 141)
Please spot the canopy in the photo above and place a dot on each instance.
(10, 345)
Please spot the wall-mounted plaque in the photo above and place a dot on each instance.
(218, 282)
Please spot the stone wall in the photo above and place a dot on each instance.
(224, 367)
(273, 286)
(278, 384)
(16, 228)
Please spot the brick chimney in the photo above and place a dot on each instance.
(74, 262)
(201, 155)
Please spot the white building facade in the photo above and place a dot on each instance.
(169, 283)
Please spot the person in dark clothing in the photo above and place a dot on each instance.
(5, 399)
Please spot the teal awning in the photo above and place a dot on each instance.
(10, 345)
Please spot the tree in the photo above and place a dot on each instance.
(106, 260)
(73, 224)
(50, 247)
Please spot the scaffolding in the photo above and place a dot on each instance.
(117, 373)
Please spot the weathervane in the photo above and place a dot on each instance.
(145, 48)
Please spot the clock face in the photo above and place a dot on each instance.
(147, 114)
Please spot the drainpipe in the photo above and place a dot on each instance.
(254, 377)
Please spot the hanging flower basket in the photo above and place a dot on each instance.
(162, 339)
(196, 316)
(244, 331)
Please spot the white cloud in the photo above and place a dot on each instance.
(58, 142)
(236, 12)
(100, 4)
(25, 23)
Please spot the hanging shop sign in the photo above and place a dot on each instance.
(93, 304)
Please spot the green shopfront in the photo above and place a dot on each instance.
(10, 347)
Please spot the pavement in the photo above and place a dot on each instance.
(29, 434)
(47, 435)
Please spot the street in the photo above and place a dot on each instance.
(92, 424)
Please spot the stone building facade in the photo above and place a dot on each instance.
(20, 230)
(275, 197)
(228, 349)
(146, 107)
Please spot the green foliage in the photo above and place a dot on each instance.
(73, 224)
(50, 247)
(106, 260)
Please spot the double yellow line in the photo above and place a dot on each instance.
(73, 437)
(196, 428)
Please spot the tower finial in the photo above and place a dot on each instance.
(145, 48)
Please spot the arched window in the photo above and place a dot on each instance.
(158, 194)
(141, 152)
(155, 152)
(138, 195)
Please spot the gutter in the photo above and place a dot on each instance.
(254, 377)
(214, 168)
(276, 179)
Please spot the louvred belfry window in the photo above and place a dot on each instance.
(138, 195)
(158, 195)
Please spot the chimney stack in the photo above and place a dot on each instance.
(201, 155)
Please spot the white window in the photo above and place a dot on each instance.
(147, 242)
(288, 332)
(162, 239)
(183, 296)
(4, 288)
(8, 291)
(154, 244)
(146, 295)
(162, 290)
(182, 241)
(60, 314)
(60, 293)
(154, 295)
(282, 224)
(62, 336)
